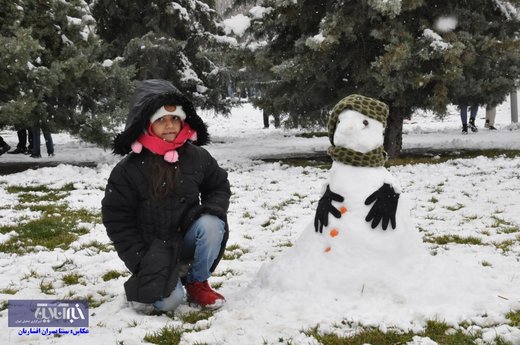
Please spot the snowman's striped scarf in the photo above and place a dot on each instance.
(374, 158)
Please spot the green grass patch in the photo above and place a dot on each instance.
(46, 287)
(514, 317)
(266, 224)
(319, 163)
(113, 275)
(216, 285)
(500, 222)
(49, 232)
(57, 227)
(27, 198)
(132, 323)
(100, 247)
(195, 316)
(505, 246)
(433, 200)
(91, 301)
(31, 274)
(165, 336)
(406, 158)
(511, 230)
(224, 273)
(3, 305)
(455, 207)
(247, 214)
(27, 189)
(234, 252)
(437, 331)
(315, 134)
(40, 193)
(296, 198)
(8, 291)
(445, 156)
(71, 278)
(446, 239)
(39, 188)
(284, 244)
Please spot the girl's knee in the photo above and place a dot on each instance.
(212, 227)
(210, 222)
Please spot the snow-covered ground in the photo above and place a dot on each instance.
(271, 204)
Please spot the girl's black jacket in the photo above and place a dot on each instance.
(147, 233)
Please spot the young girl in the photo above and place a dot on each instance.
(165, 203)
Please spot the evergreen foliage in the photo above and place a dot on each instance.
(51, 75)
(175, 40)
(408, 53)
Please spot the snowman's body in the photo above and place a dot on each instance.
(356, 183)
(353, 232)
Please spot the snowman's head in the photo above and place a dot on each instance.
(358, 132)
(371, 109)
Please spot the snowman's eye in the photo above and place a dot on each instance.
(365, 122)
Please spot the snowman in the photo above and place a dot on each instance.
(362, 227)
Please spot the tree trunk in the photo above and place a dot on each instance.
(394, 131)
(276, 120)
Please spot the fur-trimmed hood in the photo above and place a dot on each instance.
(149, 96)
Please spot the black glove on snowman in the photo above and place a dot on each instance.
(384, 208)
(325, 207)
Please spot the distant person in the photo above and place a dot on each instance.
(464, 118)
(266, 114)
(36, 142)
(3, 146)
(165, 205)
(491, 113)
(24, 137)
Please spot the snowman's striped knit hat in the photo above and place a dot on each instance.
(367, 106)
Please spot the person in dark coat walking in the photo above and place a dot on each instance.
(165, 204)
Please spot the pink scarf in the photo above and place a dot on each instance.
(162, 147)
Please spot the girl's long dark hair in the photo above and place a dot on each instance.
(162, 176)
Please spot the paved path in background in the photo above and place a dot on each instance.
(15, 167)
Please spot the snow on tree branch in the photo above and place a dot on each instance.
(188, 74)
(237, 24)
(508, 9)
(258, 12)
(315, 41)
(176, 7)
(437, 43)
(390, 8)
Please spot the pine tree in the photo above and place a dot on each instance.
(317, 52)
(53, 78)
(173, 40)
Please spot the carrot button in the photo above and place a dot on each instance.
(333, 233)
(343, 210)
(327, 249)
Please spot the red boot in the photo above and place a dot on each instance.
(202, 294)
